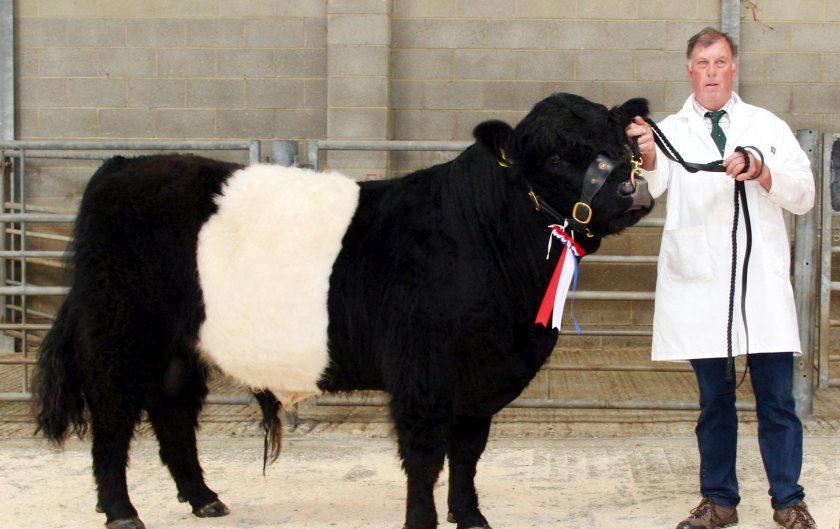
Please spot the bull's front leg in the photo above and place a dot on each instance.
(467, 440)
(421, 437)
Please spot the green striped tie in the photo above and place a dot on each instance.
(717, 132)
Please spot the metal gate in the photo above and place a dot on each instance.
(28, 248)
(804, 273)
(35, 234)
(829, 247)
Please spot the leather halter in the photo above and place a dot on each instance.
(594, 179)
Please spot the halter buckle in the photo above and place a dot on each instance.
(535, 199)
(636, 163)
(587, 213)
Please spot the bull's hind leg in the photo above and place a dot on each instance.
(467, 440)
(113, 419)
(173, 412)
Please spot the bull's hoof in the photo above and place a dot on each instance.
(214, 509)
(451, 519)
(126, 523)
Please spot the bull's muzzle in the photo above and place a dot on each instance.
(639, 192)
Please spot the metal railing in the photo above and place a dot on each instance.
(24, 323)
(803, 279)
(287, 153)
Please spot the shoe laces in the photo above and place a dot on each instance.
(797, 517)
(704, 511)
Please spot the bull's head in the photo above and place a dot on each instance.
(575, 156)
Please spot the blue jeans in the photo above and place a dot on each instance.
(779, 429)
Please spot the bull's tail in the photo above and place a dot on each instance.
(57, 382)
(271, 424)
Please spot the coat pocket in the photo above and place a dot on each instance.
(777, 249)
(686, 254)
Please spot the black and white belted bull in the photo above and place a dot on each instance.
(295, 283)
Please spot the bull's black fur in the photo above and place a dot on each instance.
(432, 299)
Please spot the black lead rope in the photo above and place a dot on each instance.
(739, 196)
(671, 152)
(740, 199)
(715, 167)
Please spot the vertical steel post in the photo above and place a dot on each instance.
(730, 23)
(805, 266)
(7, 118)
(284, 152)
(7, 70)
(254, 152)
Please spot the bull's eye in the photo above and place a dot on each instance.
(554, 159)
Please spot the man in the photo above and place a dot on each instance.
(696, 290)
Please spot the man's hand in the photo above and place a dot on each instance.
(735, 163)
(647, 146)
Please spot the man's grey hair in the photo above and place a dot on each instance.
(708, 36)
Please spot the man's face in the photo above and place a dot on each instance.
(712, 71)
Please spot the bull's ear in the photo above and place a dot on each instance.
(638, 106)
(495, 136)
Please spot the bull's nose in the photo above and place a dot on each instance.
(640, 194)
(626, 188)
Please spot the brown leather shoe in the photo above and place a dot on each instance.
(709, 515)
(795, 517)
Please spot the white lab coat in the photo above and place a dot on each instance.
(693, 273)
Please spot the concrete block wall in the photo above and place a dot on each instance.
(397, 69)
(388, 69)
(358, 85)
(97, 69)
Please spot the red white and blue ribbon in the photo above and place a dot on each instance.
(565, 276)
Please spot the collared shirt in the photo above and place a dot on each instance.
(724, 120)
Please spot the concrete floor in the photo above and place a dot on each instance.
(575, 469)
(543, 468)
(334, 478)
